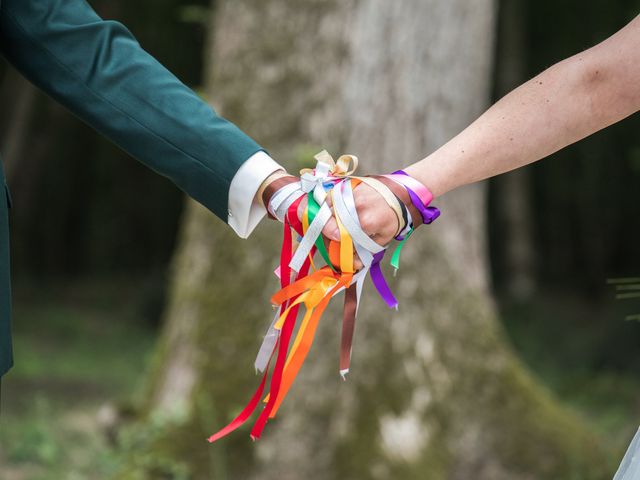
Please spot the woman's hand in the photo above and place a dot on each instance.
(377, 218)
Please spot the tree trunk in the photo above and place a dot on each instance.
(17, 130)
(513, 189)
(435, 392)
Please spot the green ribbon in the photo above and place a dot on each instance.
(313, 209)
(395, 258)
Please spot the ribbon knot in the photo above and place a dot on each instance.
(311, 179)
(326, 169)
(313, 291)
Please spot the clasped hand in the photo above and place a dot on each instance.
(376, 217)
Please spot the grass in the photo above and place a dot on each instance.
(586, 353)
(79, 347)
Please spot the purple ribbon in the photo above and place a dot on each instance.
(379, 281)
(429, 214)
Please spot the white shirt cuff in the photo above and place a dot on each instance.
(245, 212)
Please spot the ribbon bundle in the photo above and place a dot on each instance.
(329, 192)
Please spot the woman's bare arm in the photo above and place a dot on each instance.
(565, 103)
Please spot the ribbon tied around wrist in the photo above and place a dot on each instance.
(329, 189)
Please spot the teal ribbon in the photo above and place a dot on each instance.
(395, 258)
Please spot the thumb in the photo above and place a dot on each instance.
(331, 230)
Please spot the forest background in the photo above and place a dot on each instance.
(98, 259)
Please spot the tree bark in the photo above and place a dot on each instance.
(435, 391)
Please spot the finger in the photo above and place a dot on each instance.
(329, 200)
(331, 230)
(357, 263)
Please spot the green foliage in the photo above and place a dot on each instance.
(35, 439)
(78, 347)
(303, 156)
(142, 453)
(583, 353)
(197, 14)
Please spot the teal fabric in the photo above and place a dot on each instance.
(97, 69)
(6, 357)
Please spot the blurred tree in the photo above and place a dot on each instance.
(435, 393)
(586, 196)
(513, 254)
(585, 206)
(80, 204)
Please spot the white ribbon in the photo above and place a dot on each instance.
(313, 181)
(310, 236)
(283, 199)
(345, 207)
(268, 344)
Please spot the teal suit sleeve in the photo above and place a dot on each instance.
(98, 70)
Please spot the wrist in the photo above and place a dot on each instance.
(273, 185)
(268, 181)
(415, 196)
(428, 172)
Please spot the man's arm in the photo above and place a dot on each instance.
(99, 71)
(565, 103)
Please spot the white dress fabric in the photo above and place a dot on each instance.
(629, 469)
